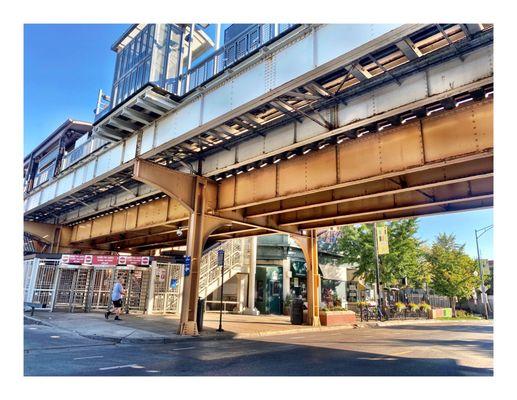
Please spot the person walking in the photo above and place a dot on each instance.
(116, 296)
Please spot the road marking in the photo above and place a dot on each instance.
(33, 329)
(55, 337)
(184, 348)
(121, 366)
(153, 371)
(297, 337)
(85, 358)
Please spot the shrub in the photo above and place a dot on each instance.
(362, 304)
(424, 306)
(400, 306)
(414, 307)
(462, 314)
(335, 308)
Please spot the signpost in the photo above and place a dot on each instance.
(380, 242)
(220, 262)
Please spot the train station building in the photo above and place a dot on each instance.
(254, 139)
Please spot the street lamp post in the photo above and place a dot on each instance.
(377, 272)
(484, 298)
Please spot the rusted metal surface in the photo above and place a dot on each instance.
(433, 165)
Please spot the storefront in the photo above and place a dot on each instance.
(269, 289)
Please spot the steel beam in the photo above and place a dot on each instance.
(176, 184)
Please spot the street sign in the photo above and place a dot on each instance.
(220, 258)
(382, 240)
(187, 266)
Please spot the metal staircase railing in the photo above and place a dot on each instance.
(236, 259)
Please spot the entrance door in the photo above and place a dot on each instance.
(268, 287)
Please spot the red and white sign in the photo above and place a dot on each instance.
(107, 260)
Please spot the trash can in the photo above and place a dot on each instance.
(297, 312)
(200, 313)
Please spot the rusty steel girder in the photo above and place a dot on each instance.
(435, 164)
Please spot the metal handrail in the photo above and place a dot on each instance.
(210, 271)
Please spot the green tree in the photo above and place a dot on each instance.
(453, 273)
(403, 260)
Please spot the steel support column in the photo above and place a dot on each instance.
(195, 242)
(309, 246)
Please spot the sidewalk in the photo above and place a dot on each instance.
(138, 328)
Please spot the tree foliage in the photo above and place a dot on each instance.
(453, 272)
(404, 260)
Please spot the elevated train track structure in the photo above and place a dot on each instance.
(326, 125)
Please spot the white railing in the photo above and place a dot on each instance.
(82, 151)
(236, 259)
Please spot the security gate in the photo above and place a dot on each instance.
(39, 281)
(101, 286)
(167, 288)
(73, 284)
(72, 288)
(136, 283)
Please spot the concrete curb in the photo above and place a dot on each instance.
(34, 321)
(160, 339)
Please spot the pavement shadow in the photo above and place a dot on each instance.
(450, 328)
(478, 345)
(246, 357)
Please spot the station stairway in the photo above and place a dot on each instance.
(236, 259)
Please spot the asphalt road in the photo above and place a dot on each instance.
(464, 348)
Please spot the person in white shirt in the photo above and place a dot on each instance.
(116, 297)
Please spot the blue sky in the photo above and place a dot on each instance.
(66, 65)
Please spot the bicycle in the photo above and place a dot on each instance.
(373, 312)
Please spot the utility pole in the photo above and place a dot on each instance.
(377, 271)
(484, 297)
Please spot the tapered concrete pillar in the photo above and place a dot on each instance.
(309, 246)
(241, 292)
(251, 310)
